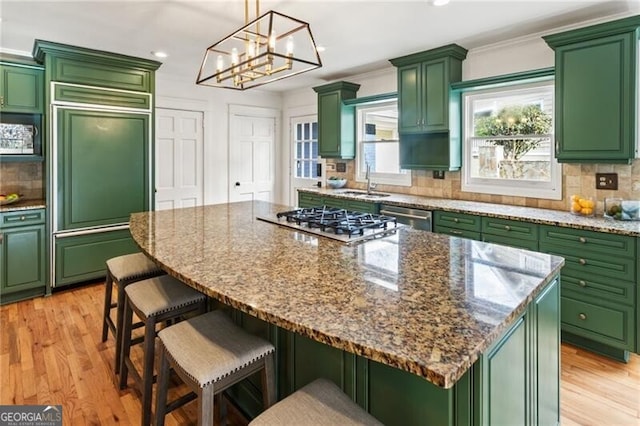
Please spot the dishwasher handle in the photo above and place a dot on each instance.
(409, 216)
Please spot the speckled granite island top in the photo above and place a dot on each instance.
(421, 302)
(529, 214)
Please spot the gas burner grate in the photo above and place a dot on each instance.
(338, 221)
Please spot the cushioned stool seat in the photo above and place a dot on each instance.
(320, 402)
(154, 300)
(210, 353)
(122, 271)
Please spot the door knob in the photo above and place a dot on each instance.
(237, 183)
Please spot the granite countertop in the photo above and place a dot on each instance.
(529, 214)
(426, 303)
(23, 205)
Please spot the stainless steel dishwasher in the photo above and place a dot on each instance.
(416, 218)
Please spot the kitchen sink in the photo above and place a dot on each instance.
(364, 194)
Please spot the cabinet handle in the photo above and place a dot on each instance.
(582, 283)
(1, 238)
(456, 232)
(582, 261)
(455, 219)
(22, 218)
(1, 100)
(582, 317)
(582, 240)
(507, 228)
(557, 146)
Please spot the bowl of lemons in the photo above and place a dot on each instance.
(9, 199)
(582, 206)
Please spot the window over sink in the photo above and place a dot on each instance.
(508, 139)
(378, 143)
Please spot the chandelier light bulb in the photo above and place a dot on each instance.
(289, 45)
(272, 40)
(251, 50)
(219, 63)
(234, 56)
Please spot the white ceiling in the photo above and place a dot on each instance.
(359, 35)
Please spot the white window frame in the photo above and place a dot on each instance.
(551, 190)
(400, 179)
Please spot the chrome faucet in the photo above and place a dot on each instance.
(367, 176)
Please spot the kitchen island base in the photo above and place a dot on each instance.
(515, 381)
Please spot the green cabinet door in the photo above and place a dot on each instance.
(22, 262)
(596, 92)
(410, 102)
(336, 122)
(103, 167)
(21, 89)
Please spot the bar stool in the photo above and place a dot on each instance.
(210, 353)
(122, 271)
(154, 300)
(320, 402)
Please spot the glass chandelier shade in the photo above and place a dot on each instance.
(272, 47)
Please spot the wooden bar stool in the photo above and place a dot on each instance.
(122, 271)
(154, 300)
(319, 403)
(210, 353)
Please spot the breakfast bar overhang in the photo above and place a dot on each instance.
(417, 328)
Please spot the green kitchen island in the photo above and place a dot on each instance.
(418, 328)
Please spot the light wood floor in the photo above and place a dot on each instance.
(50, 353)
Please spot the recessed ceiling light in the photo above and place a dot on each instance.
(159, 54)
(320, 49)
(439, 2)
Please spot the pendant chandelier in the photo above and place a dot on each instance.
(271, 47)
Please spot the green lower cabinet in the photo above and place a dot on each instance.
(22, 262)
(82, 257)
(515, 382)
(306, 199)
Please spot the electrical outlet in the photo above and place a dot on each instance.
(341, 167)
(438, 174)
(607, 181)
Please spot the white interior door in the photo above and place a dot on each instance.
(251, 158)
(179, 158)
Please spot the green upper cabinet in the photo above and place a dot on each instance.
(336, 122)
(427, 141)
(71, 64)
(423, 88)
(596, 92)
(21, 89)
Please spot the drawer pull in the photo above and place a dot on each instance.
(582, 317)
(582, 262)
(455, 219)
(582, 283)
(582, 240)
(22, 218)
(507, 227)
(456, 232)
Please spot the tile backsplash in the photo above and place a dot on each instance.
(25, 178)
(576, 179)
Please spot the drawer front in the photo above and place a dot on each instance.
(584, 264)
(457, 221)
(362, 206)
(510, 241)
(609, 244)
(333, 202)
(83, 257)
(463, 233)
(23, 217)
(510, 229)
(96, 96)
(308, 200)
(599, 288)
(603, 323)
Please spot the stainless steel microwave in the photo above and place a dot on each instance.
(20, 134)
